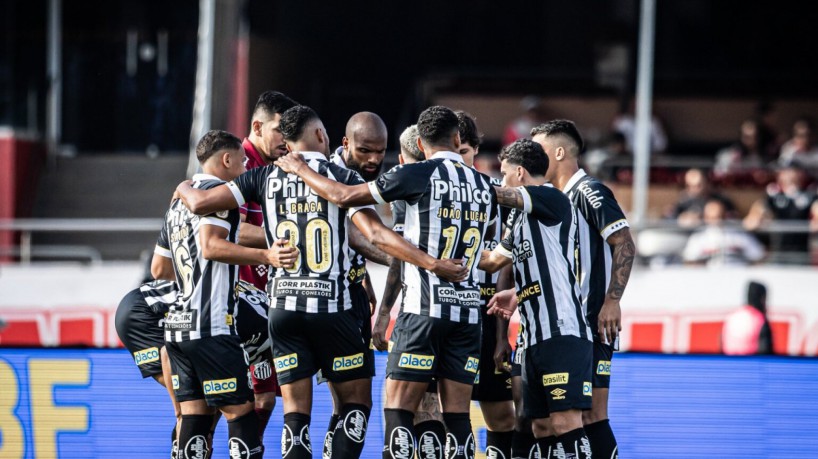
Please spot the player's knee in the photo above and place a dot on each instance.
(565, 421)
(541, 427)
(265, 401)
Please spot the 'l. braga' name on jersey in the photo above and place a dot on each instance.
(308, 287)
(448, 295)
(593, 196)
(522, 252)
(464, 192)
(293, 188)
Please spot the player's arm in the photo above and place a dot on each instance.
(203, 202)
(390, 242)
(361, 245)
(370, 294)
(509, 197)
(502, 350)
(216, 247)
(162, 267)
(493, 261)
(252, 236)
(390, 295)
(624, 251)
(338, 193)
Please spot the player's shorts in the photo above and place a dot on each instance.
(214, 369)
(491, 385)
(141, 331)
(603, 355)
(517, 359)
(557, 376)
(424, 347)
(251, 325)
(304, 343)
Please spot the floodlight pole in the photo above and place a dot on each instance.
(644, 100)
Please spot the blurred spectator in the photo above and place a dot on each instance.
(769, 137)
(520, 128)
(689, 209)
(747, 331)
(719, 245)
(608, 160)
(800, 149)
(787, 200)
(625, 123)
(742, 158)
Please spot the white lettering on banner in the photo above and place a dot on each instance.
(304, 287)
(292, 187)
(465, 192)
(449, 295)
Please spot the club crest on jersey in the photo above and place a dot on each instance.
(429, 446)
(348, 362)
(463, 192)
(262, 370)
(146, 356)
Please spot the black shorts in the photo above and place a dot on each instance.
(305, 342)
(214, 369)
(360, 308)
(557, 376)
(491, 385)
(141, 331)
(603, 354)
(425, 347)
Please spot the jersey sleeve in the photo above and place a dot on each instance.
(545, 202)
(249, 186)
(506, 245)
(398, 216)
(407, 182)
(227, 219)
(601, 209)
(163, 243)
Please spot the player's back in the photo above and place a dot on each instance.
(317, 228)
(206, 299)
(449, 207)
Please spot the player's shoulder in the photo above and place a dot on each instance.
(592, 191)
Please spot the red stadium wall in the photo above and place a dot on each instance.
(21, 161)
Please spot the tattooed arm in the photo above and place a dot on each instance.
(509, 197)
(624, 251)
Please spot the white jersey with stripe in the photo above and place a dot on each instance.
(318, 282)
(159, 295)
(542, 245)
(206, 299)
(357, 270)
(251, 320)
(449, 207)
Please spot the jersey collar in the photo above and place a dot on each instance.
(448, 155)
(202, 177)
(338, 157)
(308, 155)
(578, 175)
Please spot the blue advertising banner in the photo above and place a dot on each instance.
(93, 404)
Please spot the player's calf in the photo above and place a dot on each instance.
(295, 438)
(193, 435)
(399, 441)
(459, 440)
(244, 440)
(350, 431)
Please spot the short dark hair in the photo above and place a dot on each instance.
(294, 120)
(560, 127)
(272, 102)
(436, 125)
(526, 153)
(468, 129)
(215, 141)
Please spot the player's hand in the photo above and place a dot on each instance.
(502, 355)
(379, 332)
(450, 270)
(503, 304)
(291, 162)
(180, 188)
(610, 321)
(281, 254)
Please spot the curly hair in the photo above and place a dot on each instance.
(565, 128)
(528, 154)
(294, 120)
(436, 125)
(215, 141)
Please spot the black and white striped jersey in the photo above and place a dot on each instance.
(449, 207)
(206, 299)
(488, 281)
(251, 320)
(357, 269)
(318, 280)
(159, 295)
(542, 245)
(599, 217)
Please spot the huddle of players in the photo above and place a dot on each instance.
(317, 315)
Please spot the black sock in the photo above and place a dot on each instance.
(399, 440)
(459, 440)
(545, 446)
(498, 444)
(295, 438)
(243, 439)
(193, 435)
(263, 420)
(574, 442)
(326, 452)
(431, 437)
(603, 442)
(521, 444)
(348, 441)
(174, 445)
